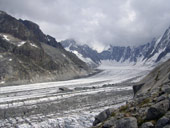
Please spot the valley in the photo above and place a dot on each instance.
(38, 88)
(68, 104)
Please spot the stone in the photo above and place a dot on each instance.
(166, 88)
(127, 122)
(109, 123)
(136, 88)
(103, 116)
(99, 118)
(168, 115)
(64, 89)
(162, 122)
(157, 110)
(147, 125)
(160, 98)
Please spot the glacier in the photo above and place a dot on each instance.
(44, 105)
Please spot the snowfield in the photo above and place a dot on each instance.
(68, 104)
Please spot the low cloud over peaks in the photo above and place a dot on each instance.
(96, 22)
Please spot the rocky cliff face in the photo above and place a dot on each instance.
(150, 53)
(84, 52)
(28, 55)
(150, 107)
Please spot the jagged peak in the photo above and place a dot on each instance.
(69, 42)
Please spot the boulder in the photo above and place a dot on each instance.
(109, 123)
(64, 89)
(168, 115)
(157, 110)
(160, 98)
(147, 125)
(99, 118)
(162, 122)
(127, 122)
(103, 116)
(136, 88)
(166, 88)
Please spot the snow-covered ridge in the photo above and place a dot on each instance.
(87, 60)
(15, 41)
(151, 53)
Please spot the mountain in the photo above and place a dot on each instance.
(150, 107)
(27, 55)
(158, 50)
(84, 52)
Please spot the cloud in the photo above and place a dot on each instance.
(95, 22)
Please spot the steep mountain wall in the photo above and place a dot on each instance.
(27, 55)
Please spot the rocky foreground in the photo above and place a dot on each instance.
(150, 107)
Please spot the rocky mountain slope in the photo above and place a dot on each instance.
(84, 52)
(150, 53)
(27, 55)
(158, 50)
(150, 107)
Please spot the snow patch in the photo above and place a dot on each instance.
(6, 37)
(48, 39)
(21, 43)
(80, 56)
(85, 59)
(165, 58)
(151, 61)
(10, 59)
(63, 55)
(157, 42)
(2, 82)
(33, 45)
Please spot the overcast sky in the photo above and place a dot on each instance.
(95, 22)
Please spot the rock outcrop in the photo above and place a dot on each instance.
(150, 108)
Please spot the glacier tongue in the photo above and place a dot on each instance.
(44, 105)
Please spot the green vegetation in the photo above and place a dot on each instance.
(140, 121)
(145, 101)
(123, 108)
(113, 114)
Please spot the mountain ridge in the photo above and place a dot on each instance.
(146, 54)
(27, 55)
